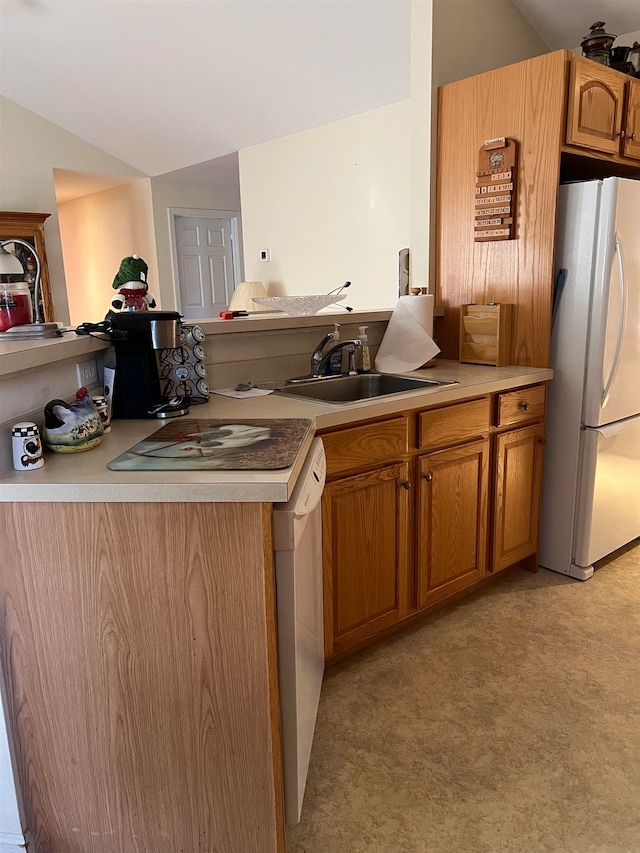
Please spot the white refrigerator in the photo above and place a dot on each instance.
(591, 487)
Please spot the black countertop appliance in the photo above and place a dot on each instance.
(137, 391)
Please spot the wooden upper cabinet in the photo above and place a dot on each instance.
(603, 110)
(631, 140)
(596, 103)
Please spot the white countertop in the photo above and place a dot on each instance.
(84, 477)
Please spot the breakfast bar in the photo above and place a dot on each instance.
(139, 645)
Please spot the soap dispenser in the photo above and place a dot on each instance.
(334, 366)
(366, 357)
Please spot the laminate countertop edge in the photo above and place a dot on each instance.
(84, 477)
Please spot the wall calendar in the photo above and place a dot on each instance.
(495, 199)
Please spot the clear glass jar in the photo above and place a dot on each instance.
(15, 304)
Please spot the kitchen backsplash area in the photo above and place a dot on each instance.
(280, 354)
(32, 375)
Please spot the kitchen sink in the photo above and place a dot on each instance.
(364, 386)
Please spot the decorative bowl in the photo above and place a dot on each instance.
(297, 306)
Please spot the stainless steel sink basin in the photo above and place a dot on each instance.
(364, 386)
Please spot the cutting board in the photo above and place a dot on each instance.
(217, 445)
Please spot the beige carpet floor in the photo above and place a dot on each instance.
(508, 723)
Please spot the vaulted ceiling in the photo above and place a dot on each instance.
(168, 84)
(164, 84)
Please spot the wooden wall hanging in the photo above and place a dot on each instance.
(495, 199)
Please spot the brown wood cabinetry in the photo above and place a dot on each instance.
(422, 506)
(525, 404)
(518, 458)
(595, 107)
(140, 676)
(573, 118)
(524, 102)
(451, 520)
(452, 499)
(518, 487)
(365, 554)
(631, 141)
(358, 447)
(602, 111)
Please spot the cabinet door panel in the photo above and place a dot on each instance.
(365, 546)
(596, 96)
(452, 520)
(517, 495)
(632, 113)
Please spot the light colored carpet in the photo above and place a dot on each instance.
(508, 723)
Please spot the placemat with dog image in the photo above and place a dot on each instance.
(217, 445)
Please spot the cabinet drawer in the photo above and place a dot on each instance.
(365, 445)
(452, 424)
(525, 404)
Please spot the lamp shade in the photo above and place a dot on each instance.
(242, 296)
(9, 264)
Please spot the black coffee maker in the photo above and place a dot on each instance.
(137, 339)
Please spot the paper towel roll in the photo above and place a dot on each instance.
(407, 344)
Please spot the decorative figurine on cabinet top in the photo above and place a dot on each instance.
(132, 287)
(72, 427)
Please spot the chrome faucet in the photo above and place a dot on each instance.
(350, 346)
(317, 357)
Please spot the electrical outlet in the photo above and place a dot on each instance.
(87, 372)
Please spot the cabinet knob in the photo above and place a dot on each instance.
(428, 477)
(406, 484)
(631, 137)
(542, 441)
(525, 406)
(620, 134)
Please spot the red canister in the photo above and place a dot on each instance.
(15, 305)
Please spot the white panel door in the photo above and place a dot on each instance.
(205, 261)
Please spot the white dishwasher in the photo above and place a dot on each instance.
(297, 534)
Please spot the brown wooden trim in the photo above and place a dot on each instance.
(31, 225)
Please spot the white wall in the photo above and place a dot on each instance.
(97, 231)
(30, 148)
(339, 201)
(473, 36)
(330, 204)
(171, 191)
(422, 148)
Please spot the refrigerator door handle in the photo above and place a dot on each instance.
(622, 322)
(609, 430)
